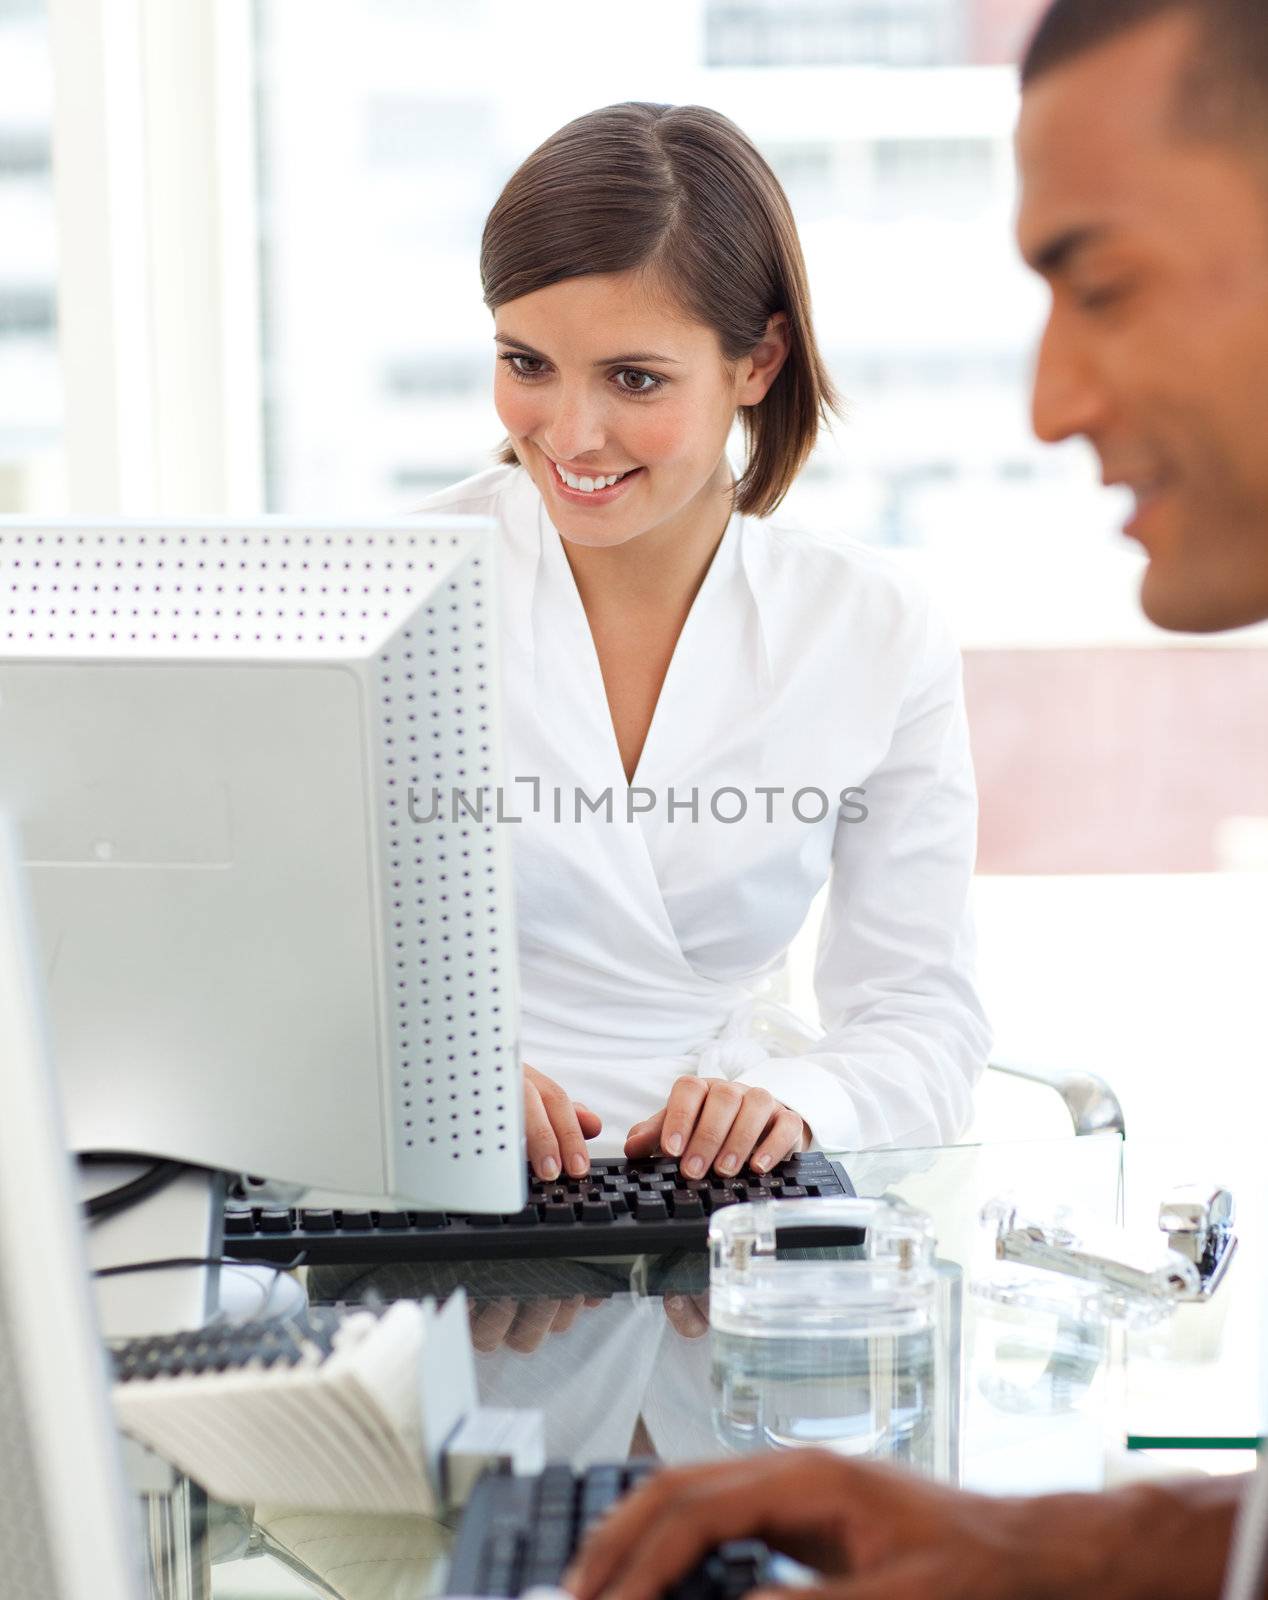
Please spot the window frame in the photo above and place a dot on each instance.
(154, 174)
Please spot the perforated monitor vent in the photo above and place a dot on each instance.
(25, 1547)
(411, 608)
(449, 936)
(289, 589)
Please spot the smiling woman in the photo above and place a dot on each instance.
(715, 714)
(679, 177)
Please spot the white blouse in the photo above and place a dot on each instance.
(652, 937)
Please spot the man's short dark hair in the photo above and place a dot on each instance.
(1224, 89)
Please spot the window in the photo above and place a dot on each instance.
(933, 177)
(380, 159)
(1124, 774)
(377, 164)
(31, 468)
(788, 33)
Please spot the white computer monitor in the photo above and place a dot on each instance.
(253, 765)
(65, 1528)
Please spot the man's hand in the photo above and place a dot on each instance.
(556, 1128)
(833, 1515)
(877, 1533)
(710, 1122)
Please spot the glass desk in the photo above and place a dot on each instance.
(619, 1358)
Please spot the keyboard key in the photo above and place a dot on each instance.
(601, 1487)
(687, 1207)
(392, 1221)
(317, 1221)
(596, 1211)
(239, 1222)
(737, 1567)
(519, 1502)
(557, 1480)
(502, 1556)
(528, 1218)
(506, 1545)
(747, 1553)
(428, 1219)
(557, 1487)
(558, 1213)
(543, 1572)
(276, 1222)
(696, 1585)
(651, 1208)
(356, 1221)
(550, 1540)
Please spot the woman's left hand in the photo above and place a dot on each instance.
(711, 1122)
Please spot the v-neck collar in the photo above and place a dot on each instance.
(561, 586)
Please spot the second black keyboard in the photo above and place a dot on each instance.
(518, 1533)
(619, 1208)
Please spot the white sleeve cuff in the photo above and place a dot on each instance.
(817, 1096)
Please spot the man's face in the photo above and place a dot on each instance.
(1156, 349)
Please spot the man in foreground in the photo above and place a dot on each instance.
(1143, 152)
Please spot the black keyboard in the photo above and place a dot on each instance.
(520, 1532)
(225, 1347)
(619, 1208)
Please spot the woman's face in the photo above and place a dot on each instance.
(599, 378)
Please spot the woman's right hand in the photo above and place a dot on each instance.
(556, 1127)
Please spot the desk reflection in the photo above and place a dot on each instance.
(619, 1358)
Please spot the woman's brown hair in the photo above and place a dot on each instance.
(681, 193)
